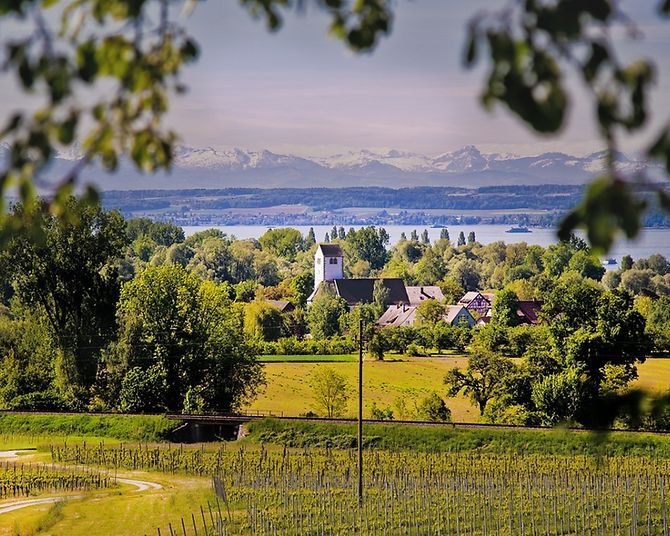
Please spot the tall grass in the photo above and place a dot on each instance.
(445, 438)
(126, 427)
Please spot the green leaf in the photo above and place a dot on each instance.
(471, 46)
(189, 50)
(66, 130)
(13, 123)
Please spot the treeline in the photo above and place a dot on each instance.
(509, 197)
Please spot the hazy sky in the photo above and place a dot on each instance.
(299, 90)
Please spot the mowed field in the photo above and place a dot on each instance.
(289, 392)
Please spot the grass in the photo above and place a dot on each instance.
(444, 438)
(336, 358)
(127, 427)
(289, 392)
(120, 512)
(653, 375)
(130, 514)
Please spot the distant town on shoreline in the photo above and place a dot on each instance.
(539, 206)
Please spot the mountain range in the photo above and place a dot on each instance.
(466, 167)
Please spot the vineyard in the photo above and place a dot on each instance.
(24, 480)
(313, 491)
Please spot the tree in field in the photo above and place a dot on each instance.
(444, 234)
(69, 273)
(330, 391)
(179, 335)
(482, 379)
(471, 237)
(559, 397)
(617, 337)
(432, 408)
(28, 357)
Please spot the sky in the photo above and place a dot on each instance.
(301, 91)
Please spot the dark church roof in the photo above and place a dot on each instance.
(331, 250)
(357, 291)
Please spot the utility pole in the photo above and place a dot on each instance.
(360, 413)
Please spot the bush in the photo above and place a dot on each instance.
(433, 408)
(414, 350)
(294, 346)
(40, 401)
(380, 414)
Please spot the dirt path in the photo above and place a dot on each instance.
(140, 485)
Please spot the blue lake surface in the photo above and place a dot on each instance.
(648, 242)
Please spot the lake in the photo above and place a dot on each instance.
(649, 241)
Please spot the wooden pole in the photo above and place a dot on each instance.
(360, 412)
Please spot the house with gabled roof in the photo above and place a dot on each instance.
(283, 305)
(529, 311)
(480, 302)
(429, 292)
(405, 315)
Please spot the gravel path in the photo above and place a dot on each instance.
(140, 485)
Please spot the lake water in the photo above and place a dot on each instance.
(649, 241)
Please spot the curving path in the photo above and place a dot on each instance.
(140, 485)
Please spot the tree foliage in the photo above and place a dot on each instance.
(483, 378)
(180, 331)
(331, 392)
(70, 275)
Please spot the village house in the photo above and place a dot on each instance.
(479, 302)
(418, 294)
(405, 315)
(528, 312)
(283, 305)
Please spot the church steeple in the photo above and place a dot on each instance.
(328, 263)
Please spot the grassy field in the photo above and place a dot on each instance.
(336, 358)
(654, 375)
(288, 390)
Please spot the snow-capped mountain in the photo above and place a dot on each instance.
(467, 167)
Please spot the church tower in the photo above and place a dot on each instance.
(328, 263)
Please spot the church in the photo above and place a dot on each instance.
(402, 300)
(329, 274)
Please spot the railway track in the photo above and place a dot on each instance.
(242, 418)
